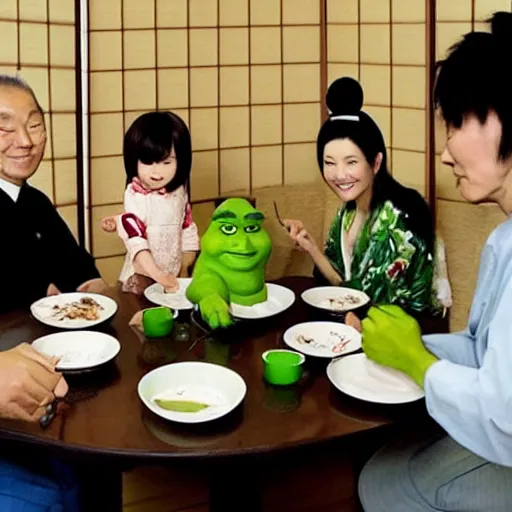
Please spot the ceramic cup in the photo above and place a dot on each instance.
(282, 367)
(157, 322)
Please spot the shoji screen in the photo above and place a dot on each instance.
(38, 41)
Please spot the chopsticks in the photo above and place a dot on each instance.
(279, 217)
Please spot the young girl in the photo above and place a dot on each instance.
(157, 227)
(382, 238)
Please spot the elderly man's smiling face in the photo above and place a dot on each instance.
(22, 134)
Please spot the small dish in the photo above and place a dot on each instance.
(191, 392)
(78, 350)
(279, 299)
(361, 378)
(64, 311)
(323, 339)
(282, 367)
(178, 300)
(335, 300)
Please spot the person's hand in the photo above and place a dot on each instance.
(215, 311)
(52, 290)
(170, 283)
(96, 285)
(299, 235)
(109, 224)
(352, 320)
(28, 383)
(393, 338)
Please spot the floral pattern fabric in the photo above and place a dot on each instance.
(389, 263)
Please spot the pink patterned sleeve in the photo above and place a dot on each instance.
(190, 235)
(131, 225)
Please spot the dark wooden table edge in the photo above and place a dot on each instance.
(138, 456)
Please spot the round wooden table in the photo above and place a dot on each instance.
(105, 421)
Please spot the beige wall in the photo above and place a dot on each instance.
(382, 43)
(37, 39)
(464, 227)
(244, 75)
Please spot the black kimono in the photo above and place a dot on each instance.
(38, 249)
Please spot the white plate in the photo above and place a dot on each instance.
(78, 350)
(326, 338)
(155, 293)
(279, 298)
(43, 311)
(361, 378)
(219, 387)
(322, 297)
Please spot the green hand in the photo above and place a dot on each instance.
(393, 338)
(215, 311)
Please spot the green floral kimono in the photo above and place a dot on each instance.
(389, 263)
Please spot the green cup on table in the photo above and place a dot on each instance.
(157, 322)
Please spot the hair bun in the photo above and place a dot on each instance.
(344, 97)
(501, 28)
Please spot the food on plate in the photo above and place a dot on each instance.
(341, 303)
(335, 342)
(180, 405)
(84, 309)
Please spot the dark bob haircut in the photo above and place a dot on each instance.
(151, 138)
(474, 79)
(347, 121)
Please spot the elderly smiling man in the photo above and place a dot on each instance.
(42, 257)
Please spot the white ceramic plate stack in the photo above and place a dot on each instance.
(335, 299)
(216, 387)
(78, 350)
(178, 301)
(323, 339)
(279, 299)
(357, 376)
(46, 310)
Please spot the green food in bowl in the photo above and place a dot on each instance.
(157, 322)
(282, 367)
(180, 405)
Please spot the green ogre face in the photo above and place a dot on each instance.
(235, 238)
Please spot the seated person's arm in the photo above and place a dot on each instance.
(305, 241)
(475, 405)
(28, 383)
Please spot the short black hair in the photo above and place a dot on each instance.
(17, 82)
(474, 79)
(151, 138)
(347, 121)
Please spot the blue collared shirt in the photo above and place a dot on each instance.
(469, 391)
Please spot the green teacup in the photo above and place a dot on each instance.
(157, 322)
(282, 367)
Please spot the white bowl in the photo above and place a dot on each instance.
(219, 387)
(78, 350)
(321, 296)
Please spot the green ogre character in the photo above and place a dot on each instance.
(231, 266)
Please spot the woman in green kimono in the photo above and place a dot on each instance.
(382, 240)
